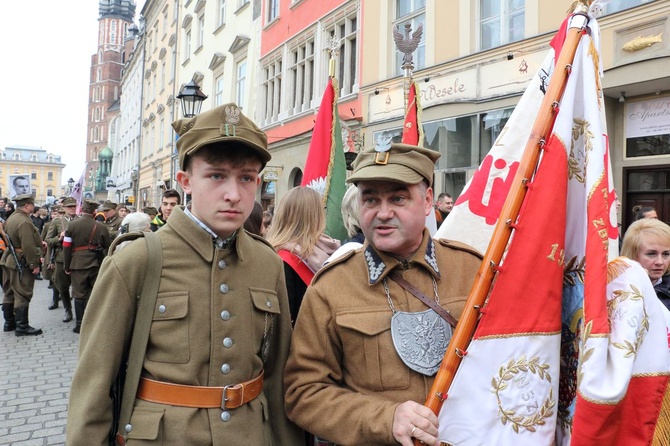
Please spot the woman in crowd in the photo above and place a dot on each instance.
(254, 223)
(645, 212)
(648, 242)
(297, 235)
(134, 222)
(350, 218)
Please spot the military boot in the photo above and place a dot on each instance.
(54, 299)
(23, 328)
(10, 320)
(79, 308)
(67, 304)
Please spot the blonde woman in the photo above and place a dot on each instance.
(297, 235)
(648, 242)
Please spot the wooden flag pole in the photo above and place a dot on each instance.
(540, 131)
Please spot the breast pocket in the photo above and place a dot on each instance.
(169, 337)
(368, 348)
(266, 311)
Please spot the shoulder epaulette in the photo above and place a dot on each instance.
(459, 246)
(260, 239)
(341, 259)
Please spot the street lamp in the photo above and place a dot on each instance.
(70, 185)
(191, 99)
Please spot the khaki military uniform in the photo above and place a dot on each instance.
(28, 246)
(79, 256)
(46, 272)
(60, 279)
(214, 309)
(344, 378)
(113, 225)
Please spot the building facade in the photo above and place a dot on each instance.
(116, 17)
(31, 170)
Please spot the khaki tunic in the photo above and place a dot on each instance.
(55, 243)
(28, 245)
(344, 378)
(217, 305)
(113, 225)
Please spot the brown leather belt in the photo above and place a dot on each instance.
(228, 397)
(81, 248)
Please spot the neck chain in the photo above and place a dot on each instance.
(388, 293)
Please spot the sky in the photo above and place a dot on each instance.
(45, 61)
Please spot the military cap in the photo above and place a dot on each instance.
(108, 205)
(89, 206)
(23, 199)
(69, 201)
(402, 163)
(222, 124)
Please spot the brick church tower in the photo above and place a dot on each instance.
(116, 16)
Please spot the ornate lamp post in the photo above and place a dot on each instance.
(191, 99)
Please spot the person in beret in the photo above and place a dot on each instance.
(221, 319)
(54, 238)
(19, 272)
(344, 361)
(85, 243)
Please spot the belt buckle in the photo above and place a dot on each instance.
(224, 396)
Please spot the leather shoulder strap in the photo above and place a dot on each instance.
(143, 318)
(395, 276)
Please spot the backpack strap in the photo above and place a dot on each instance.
(143, 317)
(298, 265)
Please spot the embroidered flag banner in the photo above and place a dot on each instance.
(78, 190)
(325, 168)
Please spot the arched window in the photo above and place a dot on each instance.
(99, 74)
(97, 94)
(100, 56)
(112, 34)
(33, 157)
(17, 156)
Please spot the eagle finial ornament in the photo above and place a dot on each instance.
(407, 44)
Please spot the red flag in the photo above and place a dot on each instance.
(412, 132)
(325, 168)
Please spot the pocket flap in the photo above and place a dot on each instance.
(146, 424)
(371, 322)
(265, 300)
(172, 305)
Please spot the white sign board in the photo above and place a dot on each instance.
(647, 118)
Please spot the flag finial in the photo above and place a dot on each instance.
(333, 48)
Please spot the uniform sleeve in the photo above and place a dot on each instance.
(67, 249)
(31, 243)
(315, 399)
(285, 433)
(104, 341)
(53, 236)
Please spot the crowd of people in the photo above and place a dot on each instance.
(265, 330)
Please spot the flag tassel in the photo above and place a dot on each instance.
(541, 129)
(662, 430)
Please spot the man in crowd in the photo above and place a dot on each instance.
(122, 211)
(3, 202)
(348, 380)
(221, 329)
(85, 243)
(20, 263)
(21, 185)
(169, 200)
(443, 206)
(54, 238)
(112, 219)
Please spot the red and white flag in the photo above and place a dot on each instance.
(518, 383)
(412, 131)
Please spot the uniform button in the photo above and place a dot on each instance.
(225, 315)
(223, 288)
(269, 304)
(225, 415)
(222, 264)
(225, 369)
(161, 309)
(227, 342)
(129, 427)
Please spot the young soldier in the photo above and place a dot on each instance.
(21, 266)
(221, 318)
(348, 380)
(112, 219)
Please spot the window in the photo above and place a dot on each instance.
(187, 45)
(620, 5)
(201, 31)
(414, 13)
(153, 87)
(99, 76)
(271, 91)
(33, 175)
(112, 33)
(161, 136)
(17, 156)
(273, 10)
(221, 19)
(174, 64)
(33, 192)
(165, 22)
(218, 94)
(50, 176)
(301, 77)
(50, 192)
(347, 62)
(163, 76)
(240, 83)
(33, 157)
(501, 22)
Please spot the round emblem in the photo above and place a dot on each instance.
(420, 339)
